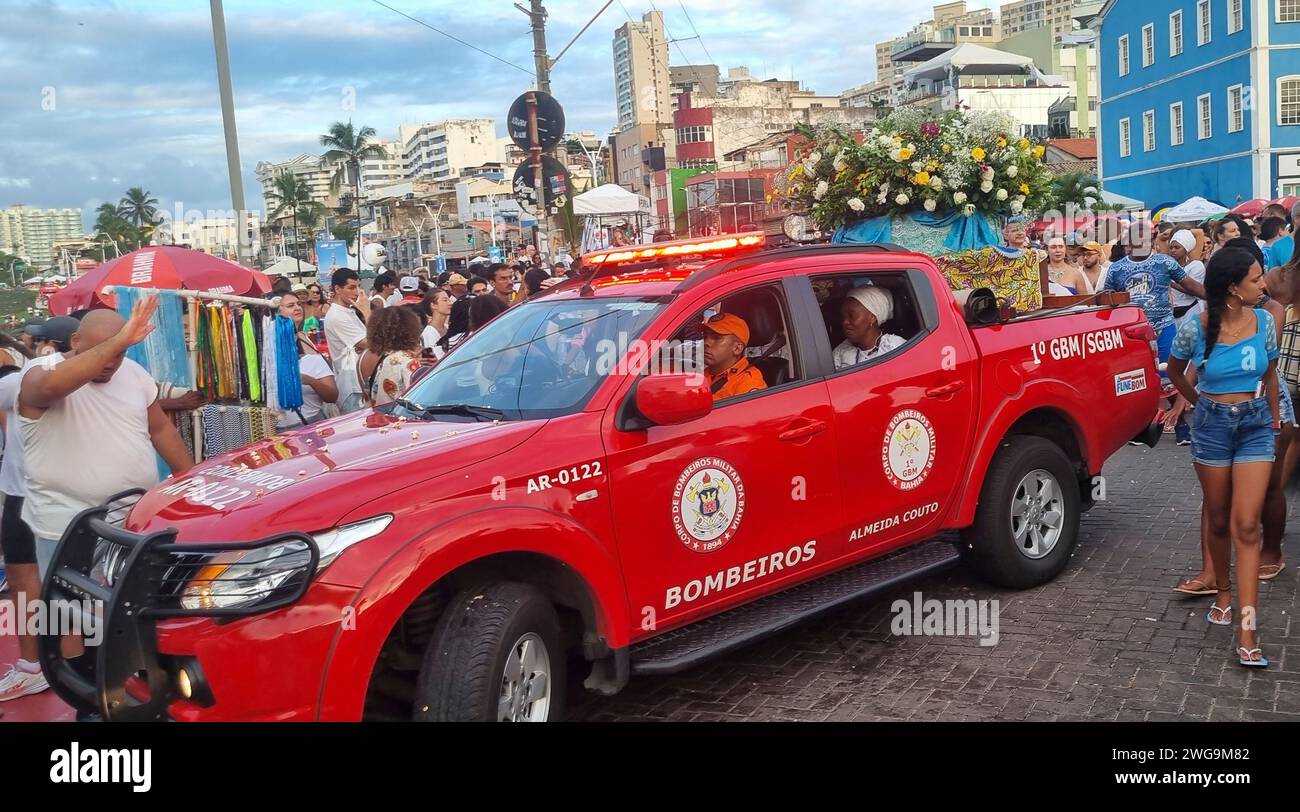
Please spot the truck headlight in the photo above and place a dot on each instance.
(243, 579)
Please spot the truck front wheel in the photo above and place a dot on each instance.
(495, 656)
(1027, 522)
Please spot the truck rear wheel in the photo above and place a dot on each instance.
(495, 656)
(1027, 522)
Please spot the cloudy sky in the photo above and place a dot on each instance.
(97, 95)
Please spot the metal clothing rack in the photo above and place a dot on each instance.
(191, 340)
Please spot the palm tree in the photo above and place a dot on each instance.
(311, 217)
(349, 147)
(141, 209)
(1079, 188)
(289, 192)
(110, 224)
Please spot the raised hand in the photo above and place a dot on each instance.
(140, 325)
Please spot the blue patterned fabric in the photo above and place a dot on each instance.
(924, 232)
(163, 354)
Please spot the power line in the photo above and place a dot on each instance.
(697, 32)
(453, 37)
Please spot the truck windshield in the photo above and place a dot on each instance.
(537, 360)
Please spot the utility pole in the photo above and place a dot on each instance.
(537, 14)
(228, 122)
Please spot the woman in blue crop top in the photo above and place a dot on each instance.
(1234, 347)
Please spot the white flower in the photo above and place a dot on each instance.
(968, 209)
(987, 174)
(959, 198)
(886, 140)
(881, 198)
(1019, 199)
(1016, 206)
(884, 188)
(902, 199)
(1002, 194)
(930, 204)
(936, 182)
(986, 186)
(815, 157)
(896, 154)
(839, 163)
(1012, 171)
(822, 188)
(856, 204)
(917, 166)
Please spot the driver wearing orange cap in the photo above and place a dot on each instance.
(727, 370)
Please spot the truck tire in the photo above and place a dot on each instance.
(1027, 522)
(494, 656)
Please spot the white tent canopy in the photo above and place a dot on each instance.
(288, 266)
(970, 58)
(1192, 210)
(609, 199)
(1112, 199)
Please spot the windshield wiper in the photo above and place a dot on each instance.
(477, 412)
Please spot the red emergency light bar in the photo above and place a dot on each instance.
(716, 246)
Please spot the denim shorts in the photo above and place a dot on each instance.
(1224, 434)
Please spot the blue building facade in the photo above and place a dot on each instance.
(1199, 97)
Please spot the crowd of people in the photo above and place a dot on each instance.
(1219, 297)
(81, 422)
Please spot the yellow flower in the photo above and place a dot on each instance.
(947, 148)
(922, 178)
(1039, 150)
(977, 153)
(1024, 143)
(1024, 188)
(904, 154)
(797, 171)
(1002, 143)
(932, 165)
(898, 139)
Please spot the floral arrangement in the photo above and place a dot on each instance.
(967, 162)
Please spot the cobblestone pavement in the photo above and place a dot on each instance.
(1107, 640)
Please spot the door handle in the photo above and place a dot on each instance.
(802, 429)
(944, 390)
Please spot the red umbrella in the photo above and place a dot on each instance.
(1250, 208)
(165, 267)
(1287, 202)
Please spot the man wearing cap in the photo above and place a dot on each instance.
(1093, 266)
(54, 336)
(409, 288)
(457, 287)
(727, 370)
(862, 313)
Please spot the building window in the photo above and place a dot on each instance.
(691, 135)
(1204, 121)
(1235, 117)
(1149, 131)
(1176, 124)
(1176, 33)
(1288, 11)
(1148, 45)
(1288, 100)
(1123, 55)
(1125, 147)
(1234, 16)
(1202, 22)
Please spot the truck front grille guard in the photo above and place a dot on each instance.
(136, 579)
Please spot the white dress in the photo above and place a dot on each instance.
(847, 355)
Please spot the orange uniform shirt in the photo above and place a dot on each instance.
(740, 379)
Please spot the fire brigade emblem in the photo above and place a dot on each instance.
(908, 453)
(708, 503)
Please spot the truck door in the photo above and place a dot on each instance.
(714, 511)
(903, 413)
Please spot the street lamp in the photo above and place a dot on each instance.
(437, 227)
(595, 168)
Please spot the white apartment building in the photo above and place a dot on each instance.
(218, 236)
(30, 233)
(310, 169)
(641, 73)
(483, 199)
(379, 172)
(1029, 14)
(442, 150)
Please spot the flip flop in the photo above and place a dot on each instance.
(1274, 570)
(1225, 614)
(1243, 657)
(1201, 588)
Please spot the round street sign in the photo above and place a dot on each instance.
(550, 121)
(555, 184)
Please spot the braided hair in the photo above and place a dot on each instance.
(1228, 267)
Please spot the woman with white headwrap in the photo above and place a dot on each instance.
(862, 314)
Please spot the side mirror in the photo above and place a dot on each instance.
(666, 400)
